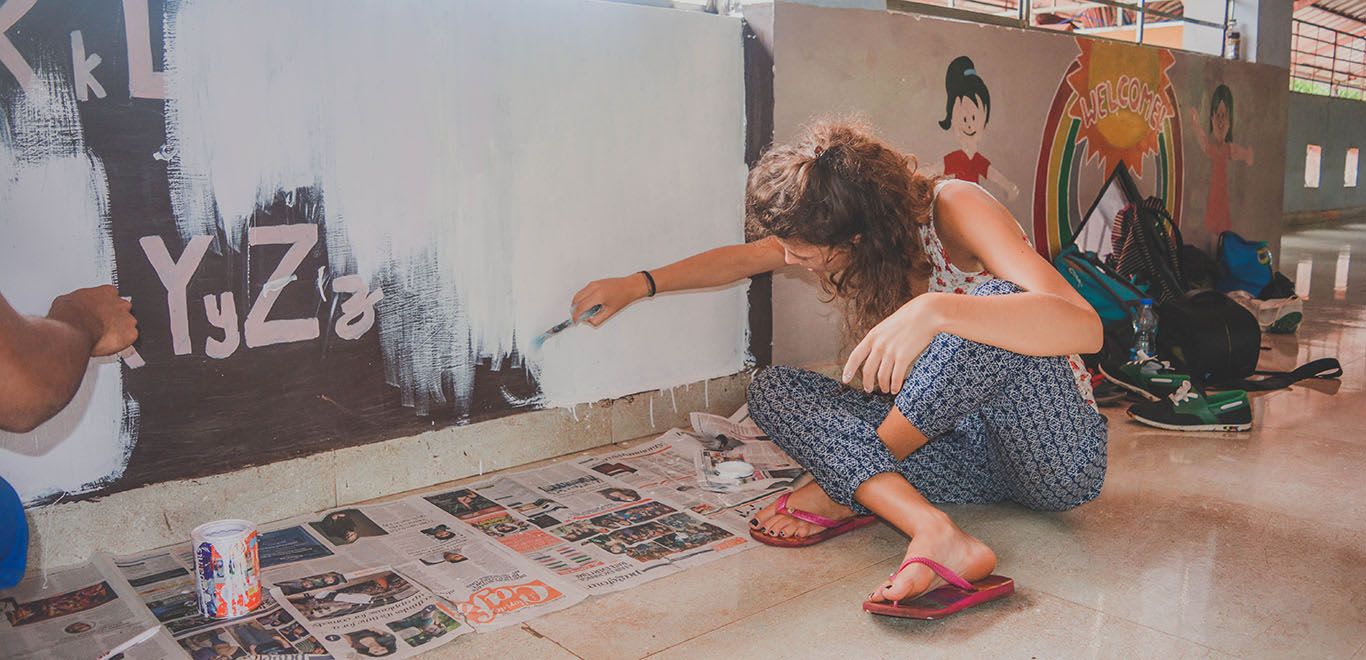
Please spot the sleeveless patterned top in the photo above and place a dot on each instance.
(948, 278)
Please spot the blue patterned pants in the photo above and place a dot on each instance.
(1001, 426)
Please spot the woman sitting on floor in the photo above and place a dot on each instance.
(970, 389)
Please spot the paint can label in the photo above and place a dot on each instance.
(227, 568)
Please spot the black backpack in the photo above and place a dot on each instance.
(1201, 271)
(1147, 248)
(1217, 342)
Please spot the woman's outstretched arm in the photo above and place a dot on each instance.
(715, 267)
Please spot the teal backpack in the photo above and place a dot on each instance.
(1114, 297)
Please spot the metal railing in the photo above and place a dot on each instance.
(1135, 14)
(1326, 61)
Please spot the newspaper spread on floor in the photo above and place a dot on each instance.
(590, 527)
(79, 612)
(490, 586)
(373, 614)
(164, 582)
(680, 466)
(404, 577)
(717, 440)
(739, 425)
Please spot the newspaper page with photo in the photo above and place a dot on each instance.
(374, 614)
(738, 426)
(773, 470)
(164, 581)
(588, 527)
(660, 470)
(80, 612)
(669, 468)
(489, 585)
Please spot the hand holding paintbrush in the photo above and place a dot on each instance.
(604, 298)
(562, 326)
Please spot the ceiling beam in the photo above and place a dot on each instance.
(1335, 12)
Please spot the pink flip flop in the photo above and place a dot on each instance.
(956, 596)
(833, 528)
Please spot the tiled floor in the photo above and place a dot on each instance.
(1200, 545)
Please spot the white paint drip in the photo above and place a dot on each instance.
(652, 412)
(706, 394)
(480, 162)
(673, 398)
(55, 223)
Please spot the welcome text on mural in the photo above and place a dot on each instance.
(357, 309)
(1129, 93)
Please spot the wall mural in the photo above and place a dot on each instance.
(1115, 104)
(343, 224)
(1065, 117)
(967, 111)
(1215, 137)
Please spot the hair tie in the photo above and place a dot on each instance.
(969, 72)
(818, 151)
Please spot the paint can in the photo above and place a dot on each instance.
(227, 566)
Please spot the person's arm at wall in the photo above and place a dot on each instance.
(43, 360)
(715, 267)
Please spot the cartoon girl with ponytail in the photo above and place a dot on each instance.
(966, 113)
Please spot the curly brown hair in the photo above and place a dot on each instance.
(839, 186)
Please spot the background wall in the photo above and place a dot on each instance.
(1335, 125)
(344, 224)
(890, 69)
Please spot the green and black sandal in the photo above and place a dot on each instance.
(1146, 376)
(1189, 410)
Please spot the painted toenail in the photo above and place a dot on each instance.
(753, 522)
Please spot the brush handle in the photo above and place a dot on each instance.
(592, 311)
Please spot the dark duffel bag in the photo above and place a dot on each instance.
(1217, 342)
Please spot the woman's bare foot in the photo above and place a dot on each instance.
(946, 544)
(809, 498)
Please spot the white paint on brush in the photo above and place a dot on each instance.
(55, 224)
(480, 161)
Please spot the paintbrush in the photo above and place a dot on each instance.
(562, 326)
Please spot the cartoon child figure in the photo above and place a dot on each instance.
(1216, 140)
(966, 113)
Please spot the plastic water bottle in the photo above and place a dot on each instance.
(1233, 41)
(1145, 330)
